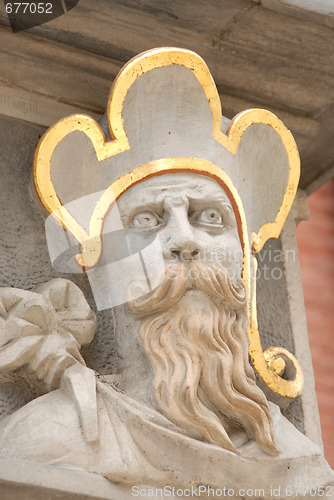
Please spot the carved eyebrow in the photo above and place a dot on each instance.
(218, 202)
(144, 206)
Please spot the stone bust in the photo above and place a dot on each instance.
(187, 388)
(202, 378)
(184, 408)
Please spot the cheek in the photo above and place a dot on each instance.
(227, 250)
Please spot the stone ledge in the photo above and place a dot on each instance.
(23, 480)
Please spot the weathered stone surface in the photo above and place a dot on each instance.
(271, 54)
(307, 128)
(117, 425)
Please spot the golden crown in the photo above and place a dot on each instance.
(164, 115)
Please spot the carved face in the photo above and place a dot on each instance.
(192, 216)
(194, 324)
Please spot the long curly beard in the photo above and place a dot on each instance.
(194, 329)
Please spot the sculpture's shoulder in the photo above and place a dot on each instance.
(140, 446)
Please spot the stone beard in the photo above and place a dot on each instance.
(194, 329)
(194, 324)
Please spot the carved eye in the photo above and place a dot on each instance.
(210, 216)
(145, 220)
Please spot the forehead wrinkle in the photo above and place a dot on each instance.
(192, 191)
(155, 189)
(178, 180)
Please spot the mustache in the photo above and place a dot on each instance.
(211, 279)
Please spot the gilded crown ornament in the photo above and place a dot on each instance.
(164, 116)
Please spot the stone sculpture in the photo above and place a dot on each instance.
(185, 408)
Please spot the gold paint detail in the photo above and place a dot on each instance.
(91, 244)
(271, 364)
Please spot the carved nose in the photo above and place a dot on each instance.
(182, 244)
(185, 254)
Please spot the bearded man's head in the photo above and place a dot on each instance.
(194, 324)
